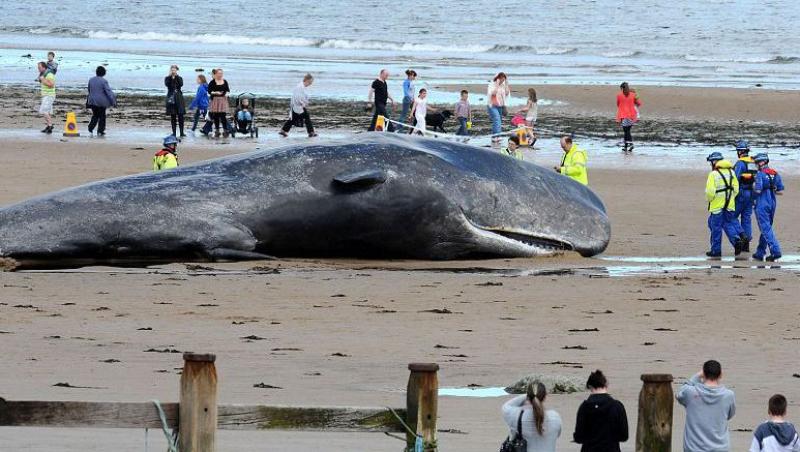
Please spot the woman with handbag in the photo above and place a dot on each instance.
(602, 422)
(496, 94)
(218, 89)
(539, 428)
(176, 108)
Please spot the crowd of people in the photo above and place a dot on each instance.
(601, 422)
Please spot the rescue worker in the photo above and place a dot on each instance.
(167, 157)
(768, 184)
(721, 190)
(746, 170)
(573, 165)
(513, 149)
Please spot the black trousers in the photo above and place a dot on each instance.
(627, 131)
(220, 118)
(98, 119)
(380, 110)
(297, 119)
(176, 120)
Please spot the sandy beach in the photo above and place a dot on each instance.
(657, 306)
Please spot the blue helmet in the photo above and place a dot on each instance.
(762, 157)
(170, 140)
(714, 157)
(742, 146)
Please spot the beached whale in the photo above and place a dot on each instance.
(377, 195)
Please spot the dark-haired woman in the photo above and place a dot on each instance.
(176, 107)
(100, 98)
(408, 94)
(540, 428)
(602, 422)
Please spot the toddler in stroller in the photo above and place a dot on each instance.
(244, 120)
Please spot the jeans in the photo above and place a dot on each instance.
(496, 116)
(380, 110)
(719, 222)
(98, 119)
(407, 101)
(462, 127)
(744, 212)
(299, 118)
(765, 216)
(197, 115)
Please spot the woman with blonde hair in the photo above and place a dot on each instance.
(540, 428)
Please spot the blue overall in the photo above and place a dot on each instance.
(744, 202)
(768, 182)
(719, 222)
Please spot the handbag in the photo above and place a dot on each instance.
(171, 99)
(516, 443)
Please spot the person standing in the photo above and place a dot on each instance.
(47, 82)
(298, 108)
(766, 188)
(100, 98)
(709, 406)
(218, 89)
(176, 107)
(408, 94)
(200, 102)
(496, 94)
(628, 104)
(379, 97)
(540, 428)
(463, 113)
(776, 435)
(746, 171)
(531, 110)
(602, 422)
(721, 190)
(573, 164)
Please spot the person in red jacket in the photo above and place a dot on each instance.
(628, 104)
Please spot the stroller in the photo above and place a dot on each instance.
(243, 120)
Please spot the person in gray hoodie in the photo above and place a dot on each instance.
(709, 406)
(100, 98)
(776, 435)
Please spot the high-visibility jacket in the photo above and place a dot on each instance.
(574, 165)
(164, 159)
(517, 154)
(722, 187)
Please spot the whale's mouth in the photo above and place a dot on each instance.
(534, 241)
(524, 241)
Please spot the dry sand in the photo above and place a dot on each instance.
(61, 327)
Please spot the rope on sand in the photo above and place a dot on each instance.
(450, 136)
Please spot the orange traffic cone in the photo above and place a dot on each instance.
(380, 124)
(71, 126)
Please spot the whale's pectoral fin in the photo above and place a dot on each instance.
(359, 180)
(229, 254)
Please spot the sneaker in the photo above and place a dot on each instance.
(773, 257)
(714, 256)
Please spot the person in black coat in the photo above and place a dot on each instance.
(176, 108)
(602, 422)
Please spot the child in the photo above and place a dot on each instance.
(167, 158)
(513, 149)
(244, 115)
(531, 110)
(463, 114)
(200, 101)
(52, 66)
(776, 435)
(419, 111)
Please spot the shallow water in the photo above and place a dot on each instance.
(473, 392)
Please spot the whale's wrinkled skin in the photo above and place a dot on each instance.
(377, 195)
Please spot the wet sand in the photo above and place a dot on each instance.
(306, 314)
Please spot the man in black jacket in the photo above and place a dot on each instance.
(602, 422)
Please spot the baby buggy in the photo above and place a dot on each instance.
(243, 121)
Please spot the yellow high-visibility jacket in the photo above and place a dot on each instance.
(574, 165)
(722, 187)
(164, 160)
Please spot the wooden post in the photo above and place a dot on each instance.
(654, 430)
(421, 404)
(198, 405)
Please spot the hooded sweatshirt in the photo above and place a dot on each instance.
(601, 424)
(775, 437)
(708, 410)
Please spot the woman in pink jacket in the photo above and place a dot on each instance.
(628, 104)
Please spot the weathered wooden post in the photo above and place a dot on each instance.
(421, 404)
(654, 430)
(198, 405)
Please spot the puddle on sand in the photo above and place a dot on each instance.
(790, 258)
(472, 392)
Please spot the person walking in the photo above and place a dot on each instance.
(408, 94)
(47, 89)
(378, 99)
(298, 108)
(709, 406)
(419, 111)
(200, 102)
(573, 164)
(496, 94)
(100, 98)
(540, 428)
(602, 422)
(628, 104)
(218, 89)
(176, 107)
(722, 187)
(776, 435)
(767, 187)
(746, 171)
(463, 112)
